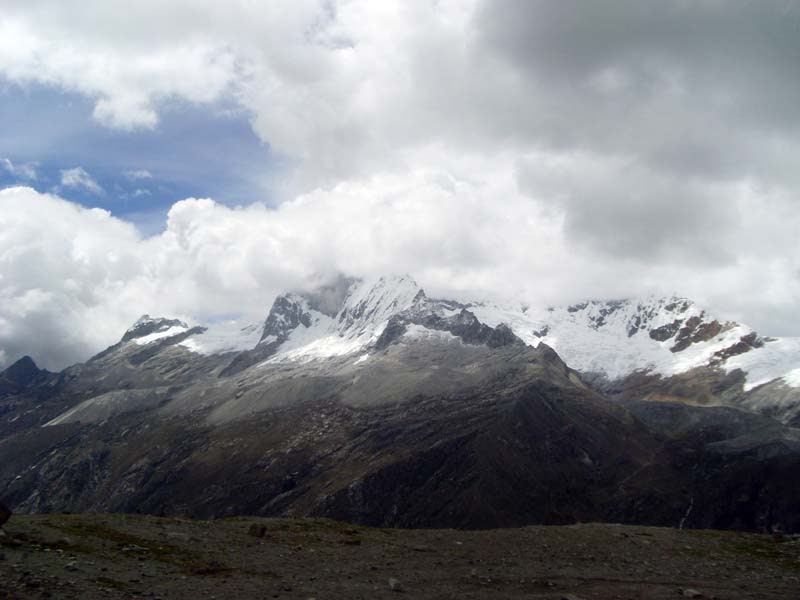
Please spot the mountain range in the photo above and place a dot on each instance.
(368, 401)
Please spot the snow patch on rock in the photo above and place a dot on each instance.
(170, 331)
(224, 336)
(778, 358)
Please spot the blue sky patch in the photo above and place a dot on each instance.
(201, 151)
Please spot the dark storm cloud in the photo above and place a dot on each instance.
(693, 96)
(655, 77)
(735, 54)
(634, 213)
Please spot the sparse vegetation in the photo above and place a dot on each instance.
(126, 556)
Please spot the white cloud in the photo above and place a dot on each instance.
(73, 278)
(137, 174)
(78, 178)
(25, 171)
(353, 87)
(130, 59)
(517, 145)
(60, 266)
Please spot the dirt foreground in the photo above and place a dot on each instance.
(132, 556)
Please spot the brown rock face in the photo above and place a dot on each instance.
(694, 331)
(745, 344)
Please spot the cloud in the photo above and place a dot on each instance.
(699, 91)
(25, 171)
(60, 267)
(626, 209)
(137, 174)
(552, 150)
(78, 178)
(352, 88)
(73, 279)
(132, 61)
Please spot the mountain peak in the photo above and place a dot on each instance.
(610, 338)
(663, 335)
(146, 327)
(22, 371)
(287, 313)
(375, 301)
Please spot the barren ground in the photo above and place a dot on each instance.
(130, 556)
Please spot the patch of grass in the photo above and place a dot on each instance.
(23, 539)
(784, 553)
(158, 551)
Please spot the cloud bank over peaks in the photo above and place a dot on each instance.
(73, 279)
(546, 150)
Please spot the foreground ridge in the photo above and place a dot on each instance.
(83, 556)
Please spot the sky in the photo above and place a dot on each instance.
(194, 159)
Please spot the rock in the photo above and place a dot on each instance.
(690, 593)
(5, 514)
(395, 585)
(570, 597)
(257, 530)
(352, 542)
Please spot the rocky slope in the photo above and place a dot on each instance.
(368, 401)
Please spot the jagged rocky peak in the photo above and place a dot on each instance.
(353, 306)
(631, 314)
(372, 314)
(662, 335)
(375, 301)
(673, 319)
(21, 372)
(147, 326)
(293, 309)
(287, 313)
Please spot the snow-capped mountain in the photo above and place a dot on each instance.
(663, 336)
(355, 316)
(351, 325)
(147, 329)
(606, 341)
(667, 348)
(367, 400)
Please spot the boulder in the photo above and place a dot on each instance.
(257, 530)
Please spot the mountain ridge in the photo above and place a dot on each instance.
(372, 402)
(609, 342)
